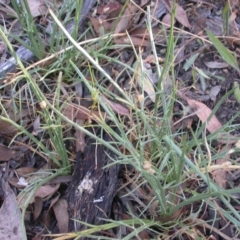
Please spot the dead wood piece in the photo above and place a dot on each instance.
(93, 188)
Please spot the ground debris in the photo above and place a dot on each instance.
(92, 190)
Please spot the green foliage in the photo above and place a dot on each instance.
(223, 51)
(225, 15)
(27, 22)
(159, 154)
(237, 91)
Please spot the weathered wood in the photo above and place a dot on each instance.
(93, 188)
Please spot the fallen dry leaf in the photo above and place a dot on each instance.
(45, 191)
(214, 92)
(39, 7)
(23, 171)
(180, 14)
(53, 201)
(42, 192)
(136, 41)
(6, 153)
(74, 111)
(157, 11)
(110, 11)
(124, 22)
(233, 16)
(80, 137)
(116, 107)
(61, 212)
(38, 204)
(167, 20)
(36, 126)
(203, 112)
(220, 175)
(10, 216)
(100, 26)
(143, 34)
(143, 79)
(216, 64)
(15, 182)
(151, 59)
(47, 216)
(140, 37)
(7, 128)
(96, 24)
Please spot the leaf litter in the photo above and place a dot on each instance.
(130, 29)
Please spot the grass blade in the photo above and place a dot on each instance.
(223, 51)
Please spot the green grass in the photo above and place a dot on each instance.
(165, 160)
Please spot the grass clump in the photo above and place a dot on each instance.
(167, 170)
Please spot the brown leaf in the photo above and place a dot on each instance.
(47, 219)
(61, 213)
(6, 153)
(25, 170)
(233, 16)
(7, 128)
(203, 112)
(142, 33)
(167, 20)
(80, 137)
(39, 7)
(96, 25)
(137, 41)
(214, 92)
(10, 216)
(143, 79)
(151, 59)
(38, 204)
(45, 191)
(74, 111)
(124, 22)
(116, 107)
(36, 126)
(42, 192)
(140, 37)
(53, 201)
(46, 216)
(111, 10)
(15, 182)
(220, 175)
(180, 15)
